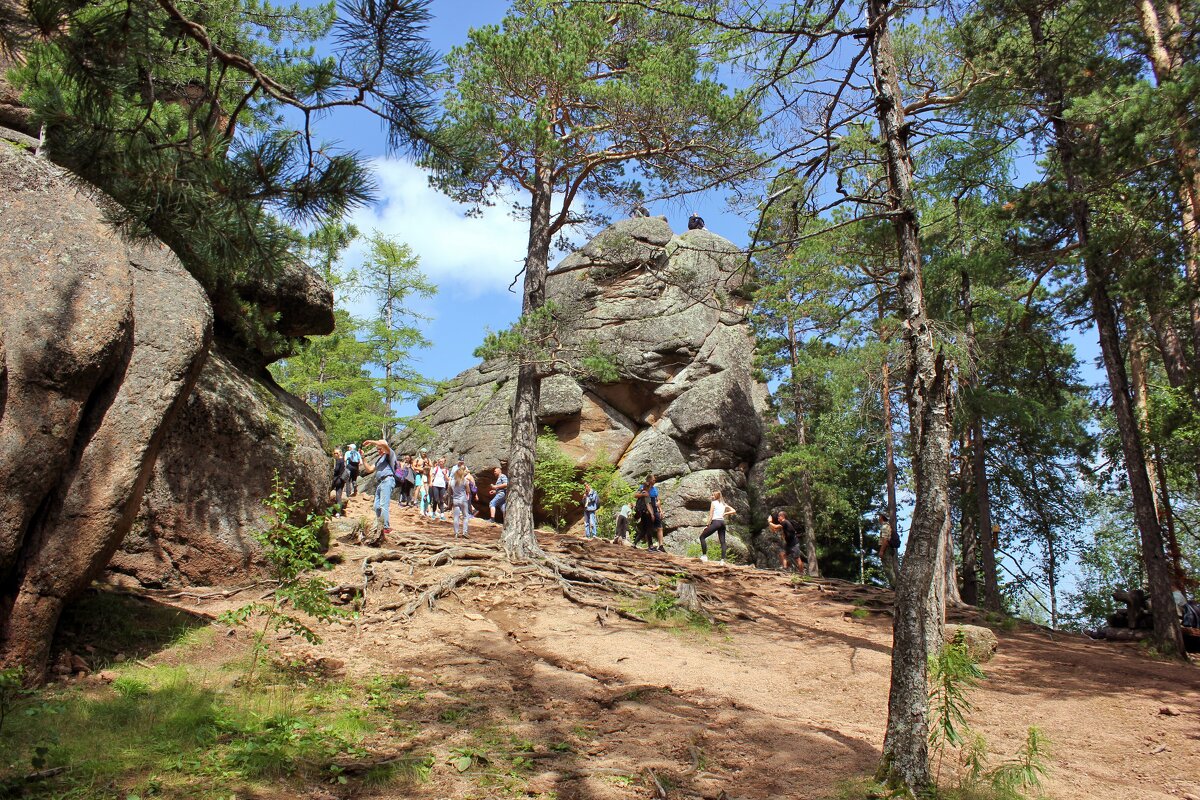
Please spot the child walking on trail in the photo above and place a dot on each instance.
(717, 511)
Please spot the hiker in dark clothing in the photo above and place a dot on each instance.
(791, 556)
(341, 475)
(695, 222)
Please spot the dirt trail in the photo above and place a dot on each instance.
(787, 698)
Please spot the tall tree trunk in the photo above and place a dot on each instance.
(1163, 53)
(519, 539)
(979, 490)
(806, 504)
(890, 556)
(917, 629)
(1167, 634)
(967, 520)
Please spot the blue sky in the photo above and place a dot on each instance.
(472, 260)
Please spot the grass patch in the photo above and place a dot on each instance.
(135, 627)
(184, 732)
(860, 613)
(662, 609)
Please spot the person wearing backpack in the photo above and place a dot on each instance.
(591, 504)
(695, 222)
(353, 463)
(643, 516)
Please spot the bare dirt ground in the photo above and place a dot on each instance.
(786, 698)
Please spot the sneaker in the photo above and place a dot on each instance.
(704, 559)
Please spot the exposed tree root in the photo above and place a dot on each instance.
(430, 596)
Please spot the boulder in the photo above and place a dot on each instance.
(981, 643)
(218, 459)
(103, 341)
(669, 310)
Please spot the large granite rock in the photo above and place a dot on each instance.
(102, 341)
(204, 499)
(670, 310)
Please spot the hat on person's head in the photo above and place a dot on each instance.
(352, 445)
(424, 449)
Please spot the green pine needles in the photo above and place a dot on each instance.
(953, 673)
(290, 550)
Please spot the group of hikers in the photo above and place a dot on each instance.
(426, 484)
(438, 492)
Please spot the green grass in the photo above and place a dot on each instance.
(185, 732)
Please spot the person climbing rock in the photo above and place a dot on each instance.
(385, 483)
(498, 491)
(354, 462)
(791, 556)
(695, 222)
(717, 511)
(591, 503)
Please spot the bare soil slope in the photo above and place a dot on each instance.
(786, 698)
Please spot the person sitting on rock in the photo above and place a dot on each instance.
(499, 491)
(790, 556)
(695, 222)
(717, 511)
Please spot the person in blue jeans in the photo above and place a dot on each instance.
(385, 474)
(498, 491)
(591, 502)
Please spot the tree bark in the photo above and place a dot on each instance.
(1167, 634)
(890, 557)
(917, 629)
(519, 539)
(806, 504)
(1163, 53)
(970, 537)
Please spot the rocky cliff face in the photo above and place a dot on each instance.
(670, 310)
(102, 341)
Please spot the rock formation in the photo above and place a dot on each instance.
(102, 342)
(669, 309)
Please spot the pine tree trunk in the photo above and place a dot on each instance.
(807, 514)
(519, 540)
(917, 629)
(969, 537)
(890, 557)
(1162, 51)
(1167, 634)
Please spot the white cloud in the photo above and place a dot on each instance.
(465, 256)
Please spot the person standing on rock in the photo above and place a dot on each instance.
(385, 483)
(591, 504)
(438, 481)
(791, 555)
(498, 491)
(717, 511)
(461, 488)
(354, 462)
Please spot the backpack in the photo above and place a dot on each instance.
(642, 507)
(1191, 615)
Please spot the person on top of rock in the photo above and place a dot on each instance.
(354, 462)
(498, 491)
(695, 222)
(591, 504)
(717, 511)
(790, 556)
(439, 479)
(385, 474)
(461, 489)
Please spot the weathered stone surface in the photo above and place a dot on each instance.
(216, 465)
(103, 341)
(981, 642)
(668, 309)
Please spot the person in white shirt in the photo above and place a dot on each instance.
(717, 512)
(438, 479)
